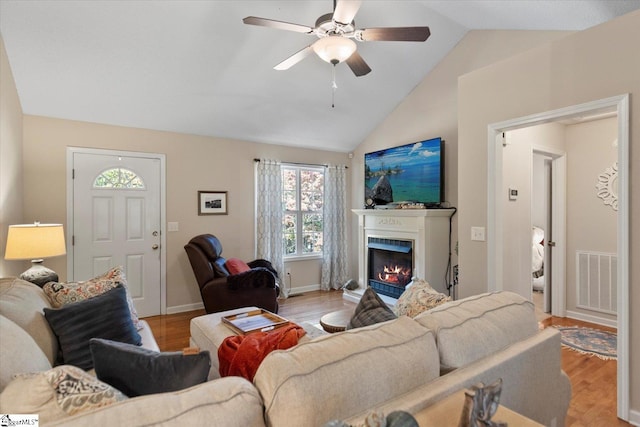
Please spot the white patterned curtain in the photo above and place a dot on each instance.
(269, 244)
(335, 257)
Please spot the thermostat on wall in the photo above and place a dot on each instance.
(513, 194)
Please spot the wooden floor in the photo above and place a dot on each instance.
(593, 401)
(593, 382)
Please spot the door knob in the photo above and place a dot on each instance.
(154, 247)
(155, 233)
(551, 244)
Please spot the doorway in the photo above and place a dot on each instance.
(115, 211)
(542, 243)
(620, 106)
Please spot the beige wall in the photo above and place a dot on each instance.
(517, 173)
(591, 225)
(11, 188)
(431, 109)
(193, 163)
(594, 64)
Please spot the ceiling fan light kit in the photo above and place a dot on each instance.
(334, 49)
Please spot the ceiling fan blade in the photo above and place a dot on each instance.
(357, 65)
(293, 59)
(346, 10)
(279, 25)
(404, 34)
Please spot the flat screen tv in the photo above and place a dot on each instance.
(412, 173)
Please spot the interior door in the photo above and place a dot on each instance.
(116, 221)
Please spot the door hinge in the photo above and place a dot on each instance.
(73, 174)
(73, 240)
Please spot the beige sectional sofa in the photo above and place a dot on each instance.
(403, 364)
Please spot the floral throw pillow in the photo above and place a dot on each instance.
(419, 297)
(61, 294)
(57, 393)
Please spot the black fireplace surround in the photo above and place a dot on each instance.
(390, 265)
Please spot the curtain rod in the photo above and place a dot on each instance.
(302, 164)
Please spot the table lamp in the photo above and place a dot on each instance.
(35, 242)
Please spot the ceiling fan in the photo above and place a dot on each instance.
(335, 32)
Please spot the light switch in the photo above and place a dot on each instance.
(172, 226)
(477, 234)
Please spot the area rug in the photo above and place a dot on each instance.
(591, 342)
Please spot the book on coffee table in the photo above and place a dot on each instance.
(254, 321)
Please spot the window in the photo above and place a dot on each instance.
(302, 197)
(118, 178)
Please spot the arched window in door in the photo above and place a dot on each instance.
(119, 178)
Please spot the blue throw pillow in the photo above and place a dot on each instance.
(104, 316)
(137, 371)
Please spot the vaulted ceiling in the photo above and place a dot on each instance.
(194, 67)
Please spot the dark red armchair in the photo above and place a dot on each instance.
(221, 290)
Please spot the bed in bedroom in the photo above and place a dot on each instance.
(537, 258)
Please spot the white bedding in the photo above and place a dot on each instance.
(537, 258)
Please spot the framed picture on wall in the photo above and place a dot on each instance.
(212, 203)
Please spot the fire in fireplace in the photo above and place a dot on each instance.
(390, 265)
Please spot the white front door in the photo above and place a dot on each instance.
(116, 212)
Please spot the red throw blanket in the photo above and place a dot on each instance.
(241, 355)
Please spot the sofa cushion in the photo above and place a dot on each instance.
(19, 353)
(475, 327)
(57, 393)
(137, 371)
(370, 310)
(23, 303)
(105, 316)
(228, 402)
(343, 374)
(61, 294)
(418, 297)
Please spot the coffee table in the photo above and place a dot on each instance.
(208, 332)
(336, 321)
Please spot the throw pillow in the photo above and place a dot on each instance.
(61, 294)
(57, 393)
(417, 298)
(236, 266)
(371, 309)
(138, 371)
(105, 316)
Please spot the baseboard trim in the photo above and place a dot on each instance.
(186, 307)
(592, 319)
(297, 290)
(634, 417)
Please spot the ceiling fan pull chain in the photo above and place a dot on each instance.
(334, 86)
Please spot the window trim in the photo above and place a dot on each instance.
(299, 255)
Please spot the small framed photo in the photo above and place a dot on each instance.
(212, 203)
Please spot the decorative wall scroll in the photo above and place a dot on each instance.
(608, 186)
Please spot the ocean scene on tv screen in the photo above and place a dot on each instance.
(411, 172)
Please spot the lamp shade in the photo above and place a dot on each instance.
(334, 49)
(32, 241)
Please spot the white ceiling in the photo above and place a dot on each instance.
(194, 67)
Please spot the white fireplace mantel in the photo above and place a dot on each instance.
(427, 228)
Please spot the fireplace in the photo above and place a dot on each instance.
(390, 265)
(401, 239)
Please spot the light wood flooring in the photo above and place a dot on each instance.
(593, 401)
